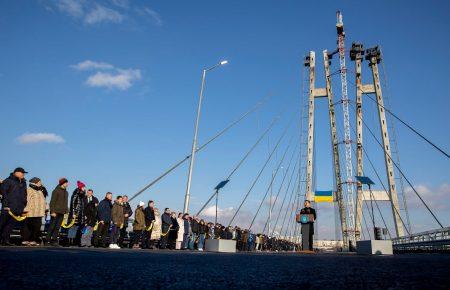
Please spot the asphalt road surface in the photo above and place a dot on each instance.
(68, 268)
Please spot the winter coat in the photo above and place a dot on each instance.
(117, 214)
(156, 230)
(35, 201)
(173, 233)
(127, 210)
(14, 192)
(195, 226)
(139, 219)
(202, 229)
(90, 211)
(77, 206)
(166, 222)
(187, 227)
(58, 202)
(149, 214)
(104, 211)
(244, 237)
(180, 230)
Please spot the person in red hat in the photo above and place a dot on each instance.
(76, 213)
(58, 208)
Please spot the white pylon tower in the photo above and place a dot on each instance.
(347, 137)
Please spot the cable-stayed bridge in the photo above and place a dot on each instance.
(361, 212)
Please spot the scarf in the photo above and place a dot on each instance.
(39, 188)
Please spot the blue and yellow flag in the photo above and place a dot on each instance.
(323, 196)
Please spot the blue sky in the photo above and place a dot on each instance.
(114, 85)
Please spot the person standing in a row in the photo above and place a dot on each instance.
(166, 224)
(117, 217)
(149, 214)
(90, 218)
(76, 213)
(14, 199)
(138, 225)
(187, 231)
(180, 233)
(35, 209)
(173, 232)
(58, 208)
(104, 220)
(127, 212)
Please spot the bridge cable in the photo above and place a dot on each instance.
(381, 182)
(289, 205)
(404, 123)
(280, 188)
(271, 182)
(401, 172)
(220, 133)
(284, 199)
(276, 119)
(262, 169)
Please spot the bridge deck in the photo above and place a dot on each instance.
(75, 268)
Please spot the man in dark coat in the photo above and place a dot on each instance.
(104, 215)
(58, 208)
(187, 231)
(166, 223)
(90, 217)
(149, 214)
(195, 225)
(308, 228)
(14, 192)
(127, 212)
(76, 213)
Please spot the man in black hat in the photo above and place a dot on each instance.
(14, 192)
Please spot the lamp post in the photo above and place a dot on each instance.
(194, 142)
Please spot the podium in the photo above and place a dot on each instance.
(304, 218)
(307, 230)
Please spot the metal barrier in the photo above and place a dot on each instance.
(429, 241)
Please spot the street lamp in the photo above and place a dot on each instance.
(194, 142)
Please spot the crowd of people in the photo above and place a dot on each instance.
(90, 222)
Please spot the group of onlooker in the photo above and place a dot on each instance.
(88, 222)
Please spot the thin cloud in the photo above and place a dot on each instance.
(121, 3)
(154, 16)
(32, 138)
(91, 12)
(73, 8)
(435, 197)
(103, 14)
(122, 79)
(92, 65)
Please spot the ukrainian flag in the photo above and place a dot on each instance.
(323, 196)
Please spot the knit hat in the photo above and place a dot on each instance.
(80, 184)
(141, 203)
(35, 180)
(62, 181)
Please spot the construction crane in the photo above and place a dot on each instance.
(347, 138)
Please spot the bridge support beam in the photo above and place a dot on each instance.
(374, 57)
(356, 54)
(339, 198)
(310, 61)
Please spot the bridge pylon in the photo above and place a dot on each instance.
(324, 93)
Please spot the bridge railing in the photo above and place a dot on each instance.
(434, 240)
